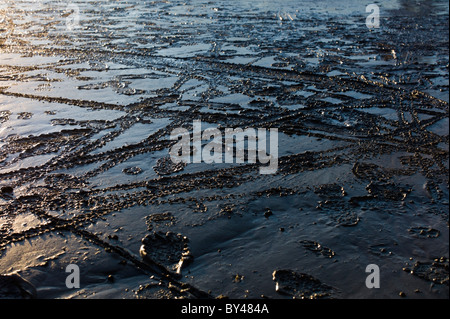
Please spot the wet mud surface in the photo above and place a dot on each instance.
(87, 107)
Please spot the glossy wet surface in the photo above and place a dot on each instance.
(86, 110)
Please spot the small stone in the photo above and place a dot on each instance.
(238, 278)
(402, 294)
(268, 213)
(172, 286)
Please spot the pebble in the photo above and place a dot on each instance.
(268, 213)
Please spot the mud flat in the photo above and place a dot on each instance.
(88, 103)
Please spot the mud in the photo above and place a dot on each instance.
(86, 113)
(13, 286)
(171, 250)
(318, 248)
(300, 286)
(435, 271)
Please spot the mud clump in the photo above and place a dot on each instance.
(268, 213)
(380, 250)
(435, 271)
(165, 166)
(317, 248)
(167, 249)
(388, 191)
(4, 116)
(424, 232)
(166, 219)
(368, 171)
(132, 170)
(301, 286)
(330, 191)
(24, 115)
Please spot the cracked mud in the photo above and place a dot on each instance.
(86, 113)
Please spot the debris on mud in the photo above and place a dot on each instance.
(268, 213)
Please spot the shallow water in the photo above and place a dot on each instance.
(90, 92)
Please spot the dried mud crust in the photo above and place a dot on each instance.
(372, 105)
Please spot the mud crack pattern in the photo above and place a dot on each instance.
(86, 112)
